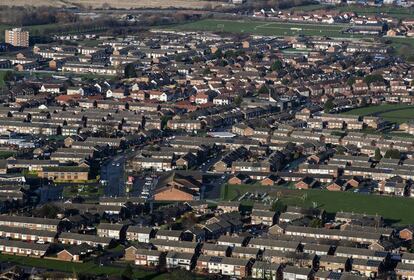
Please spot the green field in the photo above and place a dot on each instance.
(264, 28)
(2, 74)
(397, 12)
(396, 210)
(403, 47)
(398, 113)
(83, 268)
(87, 268)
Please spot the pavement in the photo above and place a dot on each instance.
(113, 173)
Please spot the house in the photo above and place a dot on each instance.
(337, 185)
(265, 270)
(27, 234)
(405, 271)
(264, 217)
(175, 246)
(406, 233)
(226, 266)
(23, 248)
(195, 234)
(77, 239)
(65, 173)
(360, 253)
(151, 258)
(274, 244)
(75, 253)
(297, 273)
(334, 263)
(228, 206)
(180, 260)
(53, 225)
(242, 129)
(140, 234)
(170, 235)
(210, 249)
(175, 187)
(245, 253)
(239, 179)
(232, 241)
(271, 180)
(368, 268)
(306, 183)
(327, 275)
(116, 231)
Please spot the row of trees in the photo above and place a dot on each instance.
(23, 16)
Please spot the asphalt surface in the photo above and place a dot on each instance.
(113, 173)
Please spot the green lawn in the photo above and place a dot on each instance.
(86, 268)
(397, 113)
(403, 47)
(264, 28)
(2, 74)
(7, 154)
(397, 210)
(90, 191)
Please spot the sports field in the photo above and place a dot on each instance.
(398, 113)
(264, 28)
(396, 210)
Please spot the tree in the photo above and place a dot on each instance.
(351, 81)
(129, 71)
(377, 155)
(49, 211)
(8, 76)
(238, 100)
(277, 66)
(393, 153)
(340, 150)
(316, 223)
(128, 273)
(206, 71)
(373, 78)
(278, 206)
(263, 90)
(328, 106)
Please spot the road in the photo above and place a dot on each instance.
(113, 173)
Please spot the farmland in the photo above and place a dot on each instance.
(397, 113)
(396, 210)
(264, 28)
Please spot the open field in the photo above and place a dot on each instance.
(117, 4)
(397, 113)
(86, 268)
(396, 210)
(404, 47)
(264, 28)
(397, 12)
(38, 3)
(394, 11)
